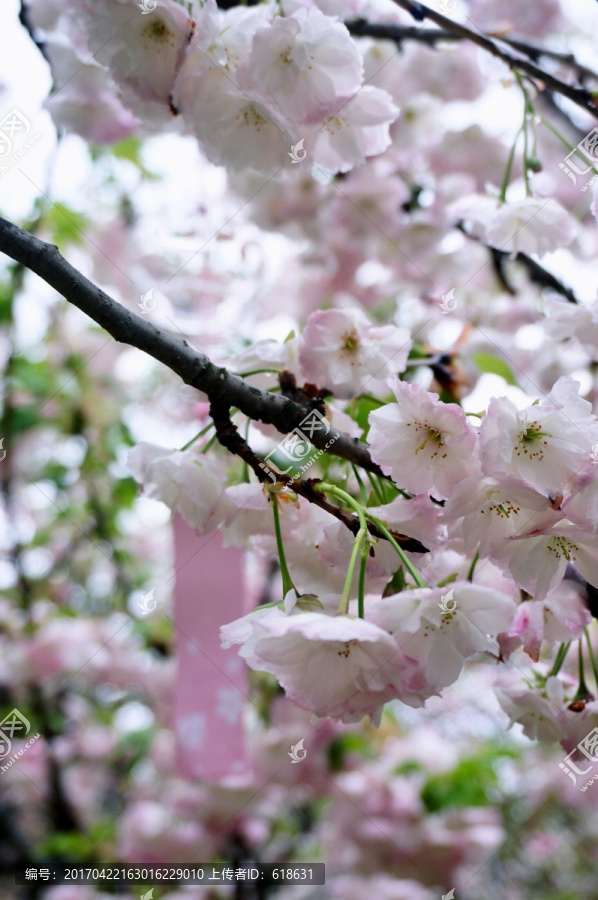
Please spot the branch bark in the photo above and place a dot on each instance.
(402, 34)
(578, 95)
(194, 367)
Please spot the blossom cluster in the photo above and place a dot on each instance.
(250, 83)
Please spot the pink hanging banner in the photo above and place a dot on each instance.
(211, 683)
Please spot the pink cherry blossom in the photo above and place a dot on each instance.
(440, 640)
(185, 481)
(488, 511)
(561, 616)
(545, 444)
(359, 128)
(335, 666)
(306, 64)
(537, 559)
(341, 350)
(424, 444)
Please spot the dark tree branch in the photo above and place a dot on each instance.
(401, 34)
(536, 273)
(194, 367)
(228, 435)
(578, 95)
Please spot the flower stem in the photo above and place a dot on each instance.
(473, 565)
(507, 176)
(287, 581)
(360, 539)
(582, 690)
(592, 657)
(404, 559)
(560, 659)
(361, 587)
(566, 142)
(197, 436)
(362, 490)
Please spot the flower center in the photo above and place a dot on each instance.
(350, 342)
(532, 435)
(346, 651)
(430, 435)
(560, 546)
(158, 31)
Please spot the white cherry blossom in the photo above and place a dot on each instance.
(544, 444)
(340, 349)
(424, 444)
(306, 64)
(441, 641)
(186, 482)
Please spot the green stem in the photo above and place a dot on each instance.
(259, 372)
(507, 176)
(404, 559)
(360, 539)
(564, 141)
(582, 690)
(473, 565)
(245, 476)
(528, 109)
(209, 444)
(361, 587)
(287, 581)
(592, 657)
(375, 487)
(197, 436)
(559, 659)
(362, 490)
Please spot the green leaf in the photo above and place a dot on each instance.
(473, 782)
(66, 225)
(486, 362)
(396, 583)
(348, 743)
(130, 149)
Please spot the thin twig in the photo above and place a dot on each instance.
(542, 79)
(229, 437)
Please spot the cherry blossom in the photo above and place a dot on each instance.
(561, 616)
(440, 640)
(425, 445)
(358, 129)
(306, 64)
(537, 559)
(335, 666)
(341, 350)
(187, 482)
(488, 511)
(544, 444)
